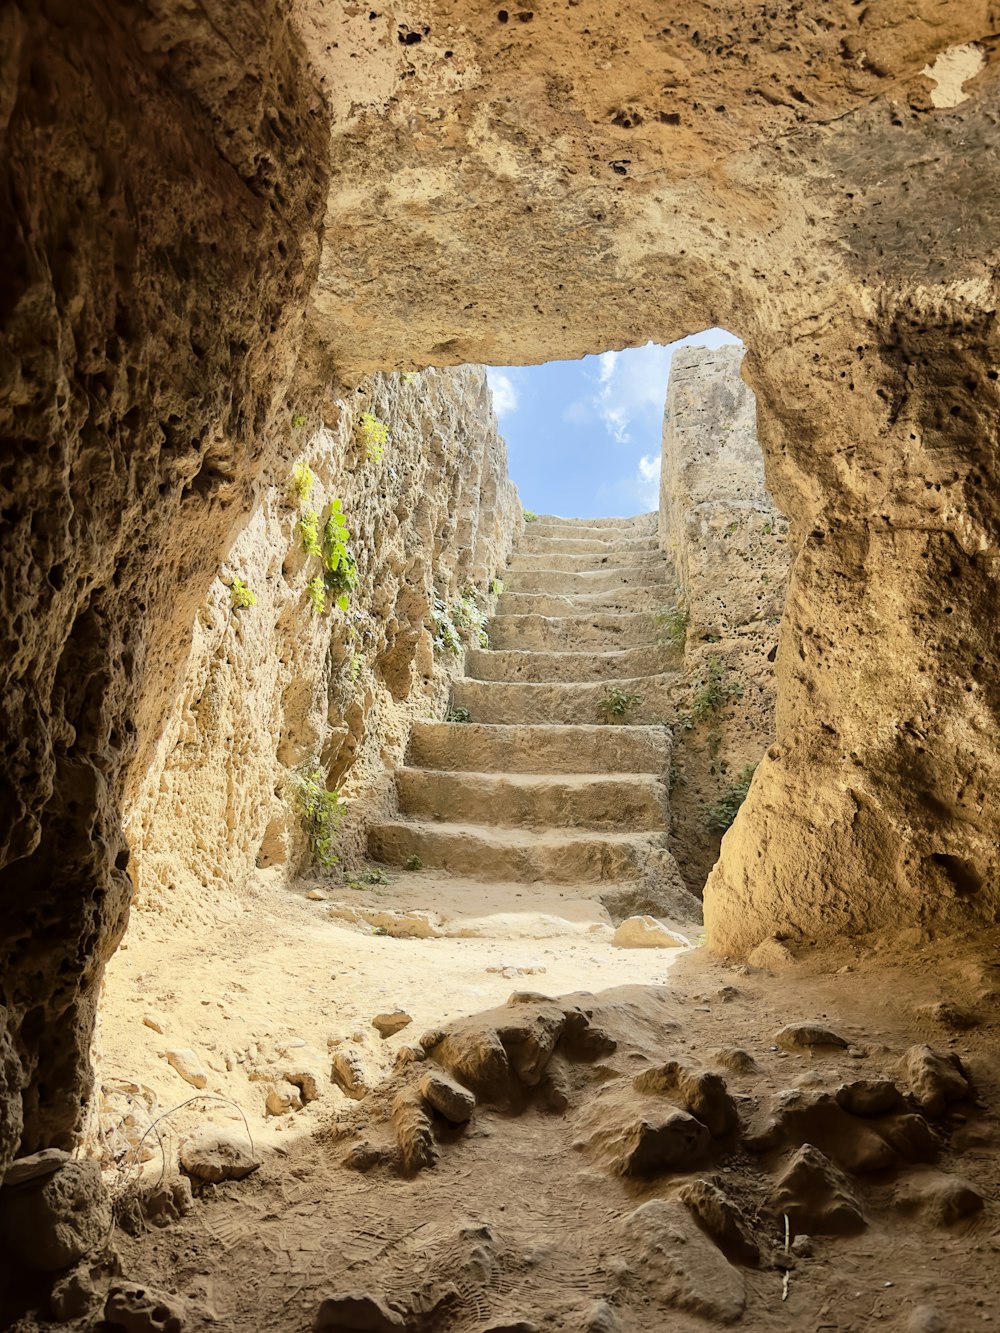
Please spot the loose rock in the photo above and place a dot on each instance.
(645, 932)
(283, 1098)
(212, 1154)
(681, 1265)
(771, 956)
(804, 1036)
(38, 1164)
(52, 1221)
(722, 1220)
(187, 1064)
(816, 1196)
(73, 1295)
(414, 1134)
(447, 1097)
(349, 1075)
(140, 1309)
(869, 1097)
(703, 1094)
(939, 1197)
(389, 1024)
(735, 1059)
(935, 1078)
(948, 1015)
(664, 1143)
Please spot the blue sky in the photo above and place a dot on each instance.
(584, 436)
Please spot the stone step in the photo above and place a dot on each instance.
(525, 702)
(529, 800)
(637, 597)
(601, 579)
(578, 562)
(603, 631)
(511, 665)
(619, 546)
(644, 523)
(513, 854)
(470, 747)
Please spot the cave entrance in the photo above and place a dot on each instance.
(583, 711)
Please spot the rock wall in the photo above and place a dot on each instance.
(276, 689)
(728, 541)
(160, 220)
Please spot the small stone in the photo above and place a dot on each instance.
(601, 1318)
(50, 1222)
(414, 1133)
(38, 1164)
(935, 1078)
(155, 1022)
(703, 1094)
(186, 1063)
(802, 1247)
(804, 1036)
(645, 932)
(213, 1154)
(869, 1097)
(680, 1266)
(358, 1312)
(316, 896)
(136, 1308)
(447, 1097)
(282, 1098)
(307, 1081)
(735, 1059)
(912, 1137)
(349, 1075)
(388, 1025)
(771, 956)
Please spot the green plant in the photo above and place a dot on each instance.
(721, 813)
(458, 715)
(240, 596)
(307, 525)
(357, 662)
(322, 812)
(617, 702)
(375, 875)
(379, 930)
(373, 436)
(414, 862)
(675, 778)
(674, 620)
(732, 527)
(713, 692)
(496, 587)
(446, 637)
(768, 529)
(467, 615)
(340, 569)
(408, 376)
(298, 420)
(530, 516)
(316, 592)
(303, 480)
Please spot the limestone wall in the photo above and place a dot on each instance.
(275, 689)
(729, 544)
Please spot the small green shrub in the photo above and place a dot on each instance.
(496, 587)
(713, 693)
(408, 376)
(617, 702)
(322, 813)
(357, 662)
(307, 525)
(675, 778)
(316, 592)
(446, 636)
(768, 529)
(373, 436)
(674, 620)
(340, 569)
(414, 862)
(530, 516)
(240, 596)
(458, 715)
(721, 813)
(375, 875)
(303, 481)
(468, 617)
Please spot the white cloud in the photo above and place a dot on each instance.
(648, 480)
(606, 366)
(504, 392)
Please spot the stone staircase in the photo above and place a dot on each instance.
(540, 784)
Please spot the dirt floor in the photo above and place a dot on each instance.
(569, 1199)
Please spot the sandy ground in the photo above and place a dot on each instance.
(522, 1220)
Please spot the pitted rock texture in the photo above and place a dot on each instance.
(276, 687)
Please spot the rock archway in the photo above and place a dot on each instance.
(210, 214)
